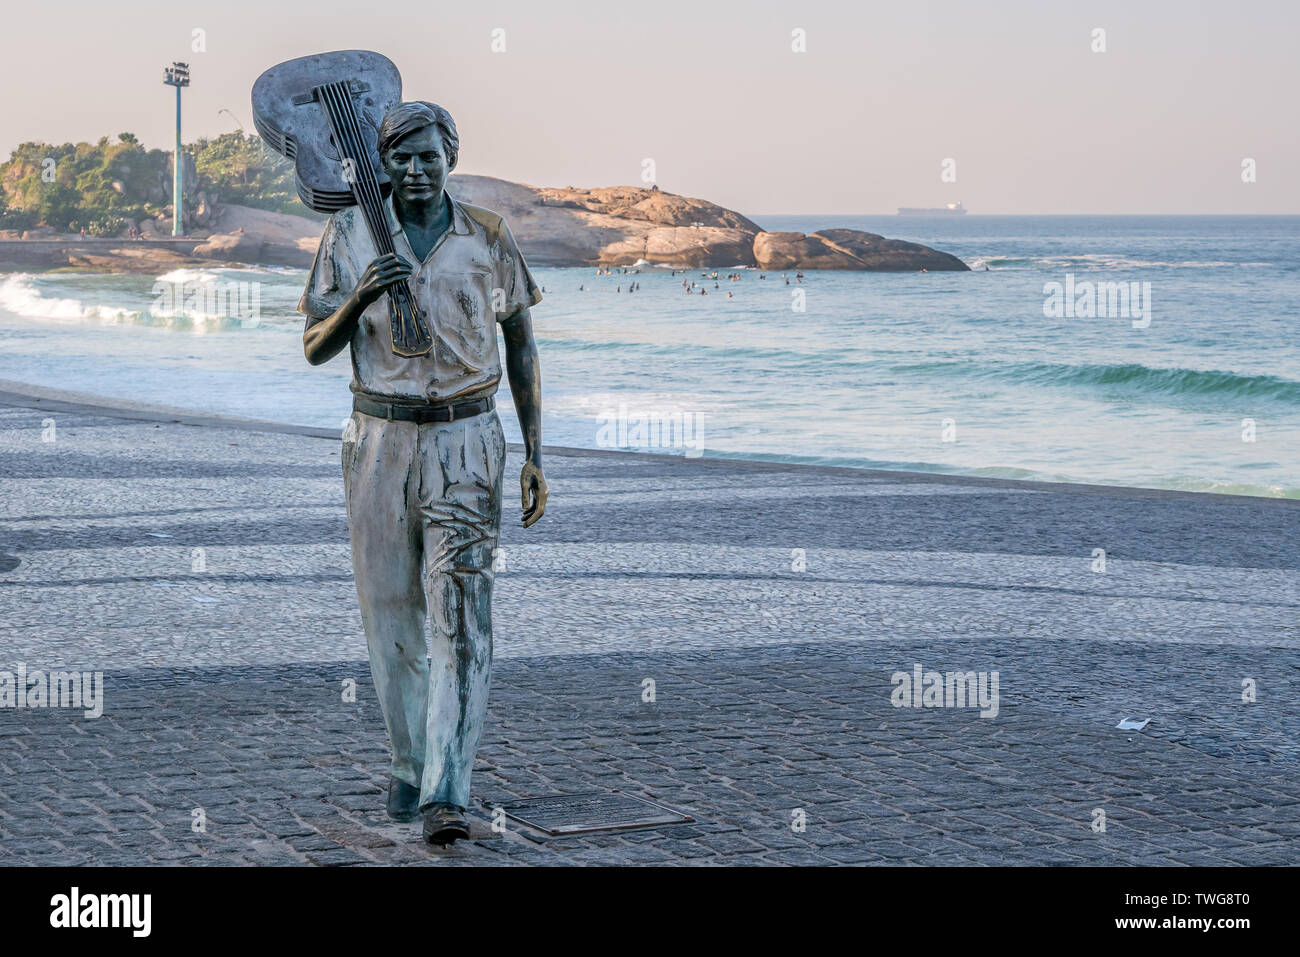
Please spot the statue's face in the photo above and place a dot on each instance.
(418, 166)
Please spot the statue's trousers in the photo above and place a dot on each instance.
(424, 512)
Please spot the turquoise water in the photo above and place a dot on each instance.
(949, 372)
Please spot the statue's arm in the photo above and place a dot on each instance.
(525, 374)
(322, 341)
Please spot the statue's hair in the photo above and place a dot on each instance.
(406, 118)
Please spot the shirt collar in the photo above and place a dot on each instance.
(461, 224)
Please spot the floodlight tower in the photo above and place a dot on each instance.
(177, 75)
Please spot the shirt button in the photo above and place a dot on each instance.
(421, 280)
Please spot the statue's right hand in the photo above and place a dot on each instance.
(381, 274)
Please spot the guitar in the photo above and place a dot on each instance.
(323, 112)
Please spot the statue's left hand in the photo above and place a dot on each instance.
(533, 485)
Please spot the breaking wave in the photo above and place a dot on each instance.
(1133, 377)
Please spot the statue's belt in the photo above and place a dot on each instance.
(434, 412)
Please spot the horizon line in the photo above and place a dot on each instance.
(969, 214)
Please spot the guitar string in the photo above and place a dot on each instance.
(369, 197)
(365, 175)
(349, 117)
(347, 130)
(359, 180)
(417, 315)
(370, 183)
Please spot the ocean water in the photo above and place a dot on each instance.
(941, 372)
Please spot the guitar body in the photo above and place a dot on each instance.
(290, 120)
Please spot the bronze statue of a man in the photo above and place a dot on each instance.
(424, 453)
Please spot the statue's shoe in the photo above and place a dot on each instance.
(403, 800)
(444, 824)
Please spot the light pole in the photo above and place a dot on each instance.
(177, 75)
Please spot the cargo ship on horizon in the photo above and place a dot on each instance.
(951, 209)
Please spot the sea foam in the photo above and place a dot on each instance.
(20, 296)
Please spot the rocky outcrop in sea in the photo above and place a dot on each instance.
(619, 225)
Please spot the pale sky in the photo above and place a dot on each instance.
(713, 93)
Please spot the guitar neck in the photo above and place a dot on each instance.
(408, 325)
(336, 100)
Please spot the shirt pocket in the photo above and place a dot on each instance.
(464, 305)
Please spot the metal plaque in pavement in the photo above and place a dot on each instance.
(558, 814)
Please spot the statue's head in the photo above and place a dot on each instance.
(418, 147)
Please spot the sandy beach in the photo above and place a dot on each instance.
(201, 564)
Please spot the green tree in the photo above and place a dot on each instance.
(100, 185)
(242, 169)
(59, 206)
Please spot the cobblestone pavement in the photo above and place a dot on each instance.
(204, 569)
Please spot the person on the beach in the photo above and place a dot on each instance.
(424, 453)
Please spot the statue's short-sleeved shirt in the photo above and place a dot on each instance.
(473, 278)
